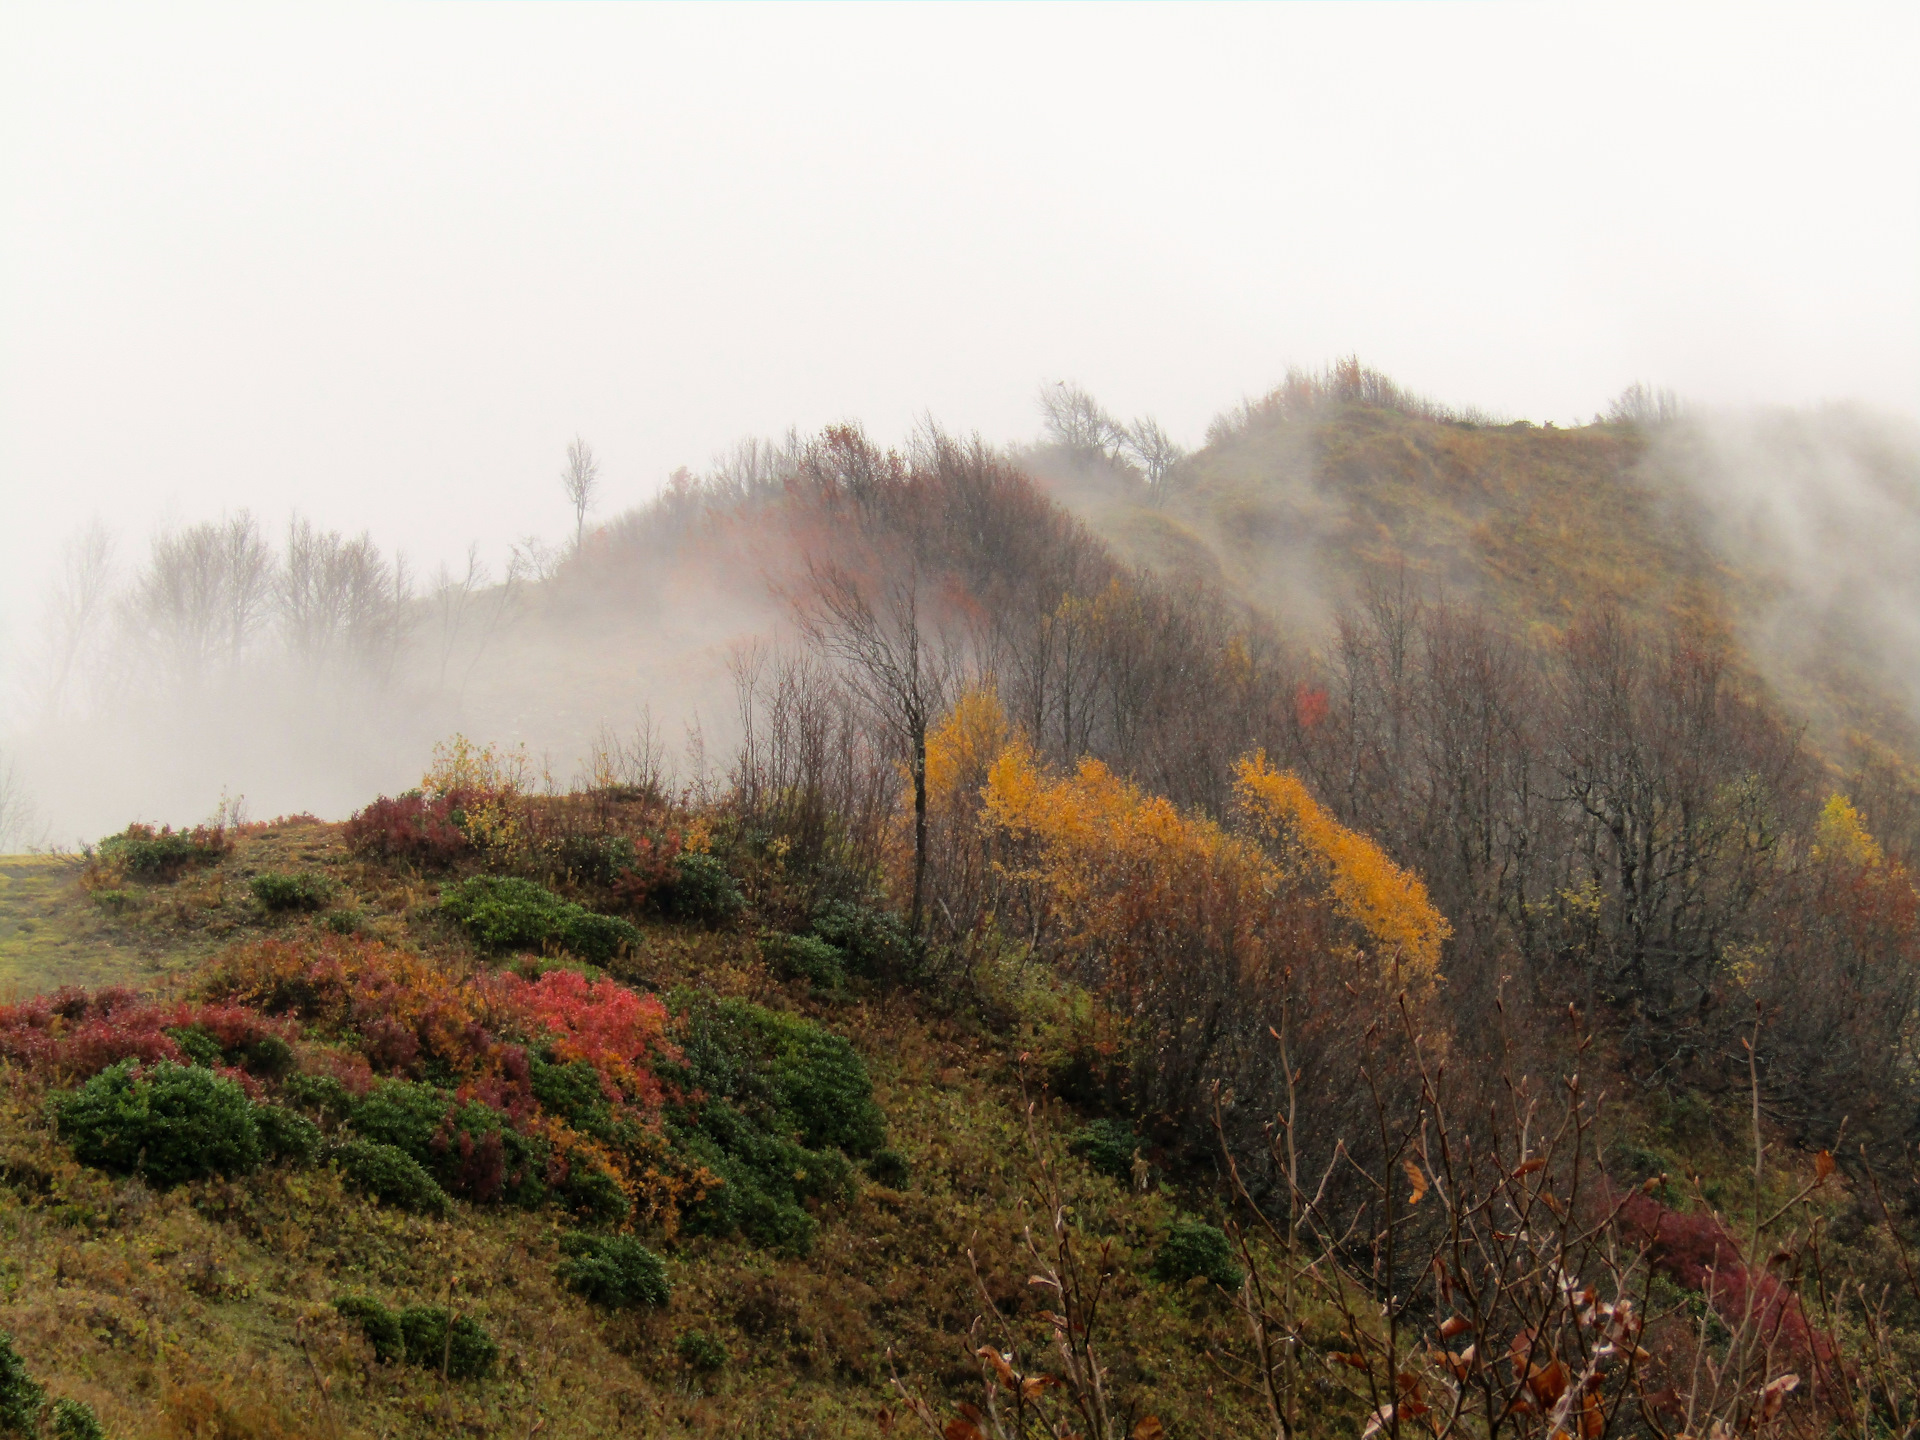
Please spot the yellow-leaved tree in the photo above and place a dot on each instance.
(1206, 940)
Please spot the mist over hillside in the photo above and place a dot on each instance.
(305, 671)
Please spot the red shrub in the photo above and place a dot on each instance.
(1696, 1252)
(411, 828)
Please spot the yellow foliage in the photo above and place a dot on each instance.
(1842, 835)
(1387, 902)
(961, 750)
(459, 764)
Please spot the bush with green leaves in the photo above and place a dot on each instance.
(700, 1352)
(20, 1394)
(1194, 1250)
(286, 1134)
(379, 1324)
(391, 1176)
(1108, 1146)
(613, 1271)
(458, 1343)
(782, 1104)
(468, 1147)
(506, 912)
(298, 890)
(700, 889)
(805, 957)
(170, 1123)
(75, 1420)
(889, 1168)
(421, 1335)
(164, 853)
(264, 1055)
(871, 942)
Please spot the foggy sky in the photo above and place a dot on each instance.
(379, 264)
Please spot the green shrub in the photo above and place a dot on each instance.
(700, 1352)
(468, 1352)
(1108, 1146)
(169, 1122)
(872, 942)
(804, 957)
(700, 889)
(505, 912)
(322, 1094)
(890, 1168)
(391, 1176)
(75, 1420)
(20, 1395)
(614, 1271)
(279, 890)
(162, 854)
(379, 1324)
(266, 1055)
(1193, 1250)
(596, 859)
(341, 922)
(198, 1046)
(467, 1146)
(286, 1134)
(782, 1098)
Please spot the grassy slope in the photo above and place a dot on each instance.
(207, 1310)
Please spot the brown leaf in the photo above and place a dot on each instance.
(885, 1420)
(1823, 1165)
(1454, 1325)
(1593, 1420)
(1354, 1358)
(959, 1429)
(1527, 1167)
(1774, 1394)
(1549, 1382)
(999, 1364)
(1034, 1386)
(1415, 1179)
(1148, 1428)
(970, 1411)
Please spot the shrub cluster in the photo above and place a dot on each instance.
(73, 1033)
(391, 1176)
(422, 1335)
(614, 1271)
(505, 912)
(870, 942)
(278, 890)
(773, 1105)
(168, 1122)
(1108, 1146)
(805, 957)
(23, 1399)
(165, 853)
(411, 828)
(1193, 1250)
(699, 889)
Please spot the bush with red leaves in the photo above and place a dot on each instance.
(1696, 1252)
(410, 827)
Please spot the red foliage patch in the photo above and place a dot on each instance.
(411, 828)
(1696, 1252)
(72, 1035)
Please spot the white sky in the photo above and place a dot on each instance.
(380, 263)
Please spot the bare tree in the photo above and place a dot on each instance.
(76, 609)
(341, 598)
(205, 592)
(876, 627)
(1152, 449)
(1078, 423)
(581, 481)
(19, 825)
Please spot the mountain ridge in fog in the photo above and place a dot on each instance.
(1794, 534)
